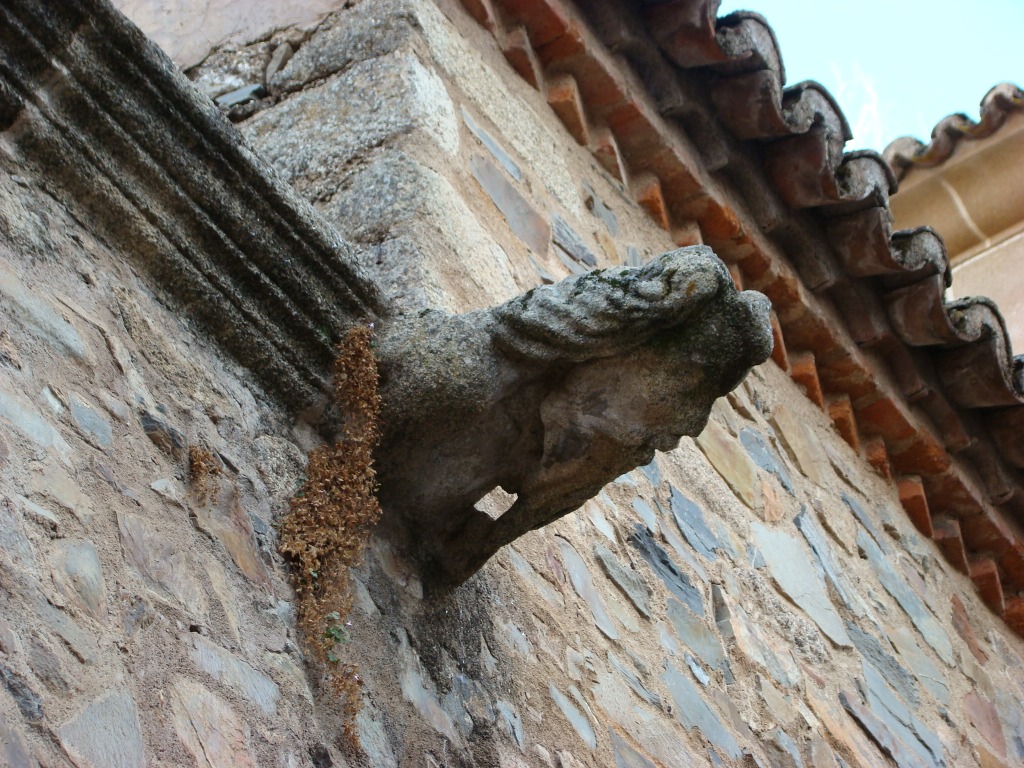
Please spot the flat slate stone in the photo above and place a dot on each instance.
(625, 755)
(931, 677)
(800, 443)
(871, 648)
(888, 707)
(652, 472)
(865, 519)
(676, 581)
(209, 729)
(685, 552)
(782, 751)
(765, 457)
(93, 427)
(693, 712)
(629, 581)
(524, 221)
(796, 576)
(696, 635)
(576, 718)
(697, 670)
(582, 582)
(28, 701)
(492, 146)
(597, 207)
(835, 574)
(225, 667)
(690, 519)
(106, 733)
(648, 515)
(633, 681)
(895, 585)
(880, 733)
(566, 238)
(731, 462)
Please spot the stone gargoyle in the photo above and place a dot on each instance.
(549, 396)
(552, 395)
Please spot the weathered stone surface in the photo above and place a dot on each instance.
(697, 636)
(492, 145)
(646, 727)
(735, 625)
(106, 734)
(840, 727)
(928, 673)
(898, 718)
(208, 728)
(90, 423)
(690, 519)
(796, 576)
(965, 628)
(633, 681)
(13, 751)
(166, 568)
(25, 418)
(222, 517)
(765, 457)
(625, 755)
(871, 648)
(835, 574)
(226, 668)
(880, 733)
(418, 689)
(675, 580)
(685, 552)
(536, 581)
(983, 716)
(926, 624)
(579, 576)
(648, 515)
(28, 701)
(43, 320)
(577, 719)
(566, 238)
(51, 481)
(693, 712)
(628, 580)
(867, 521)
(164, 435)
(78, 573)
(367, 105)
(800, 443)
(80, 642)
(479, 359)
(782, 751)
(732, 463)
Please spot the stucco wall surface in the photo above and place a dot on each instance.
(756, 596)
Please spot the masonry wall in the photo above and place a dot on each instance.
(758, 594)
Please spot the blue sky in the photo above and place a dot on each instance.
(897, 67)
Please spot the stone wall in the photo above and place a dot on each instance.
(757, 592)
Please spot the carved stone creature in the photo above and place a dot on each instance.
(554, 394)
(548, 396)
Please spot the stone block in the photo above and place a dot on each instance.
(226, 668)
(896, 585)
(626, 579)
(694, 712)
(579, 577)
(732, 463)
(797, 578)
(79, 575)
(105, 734)
(208, 727)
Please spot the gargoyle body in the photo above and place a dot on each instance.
(554, 394)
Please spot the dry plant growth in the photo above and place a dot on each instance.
(331, 517)
(201, 467)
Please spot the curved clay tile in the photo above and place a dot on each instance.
(906, 152)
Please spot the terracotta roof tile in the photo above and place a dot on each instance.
(906, 153)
